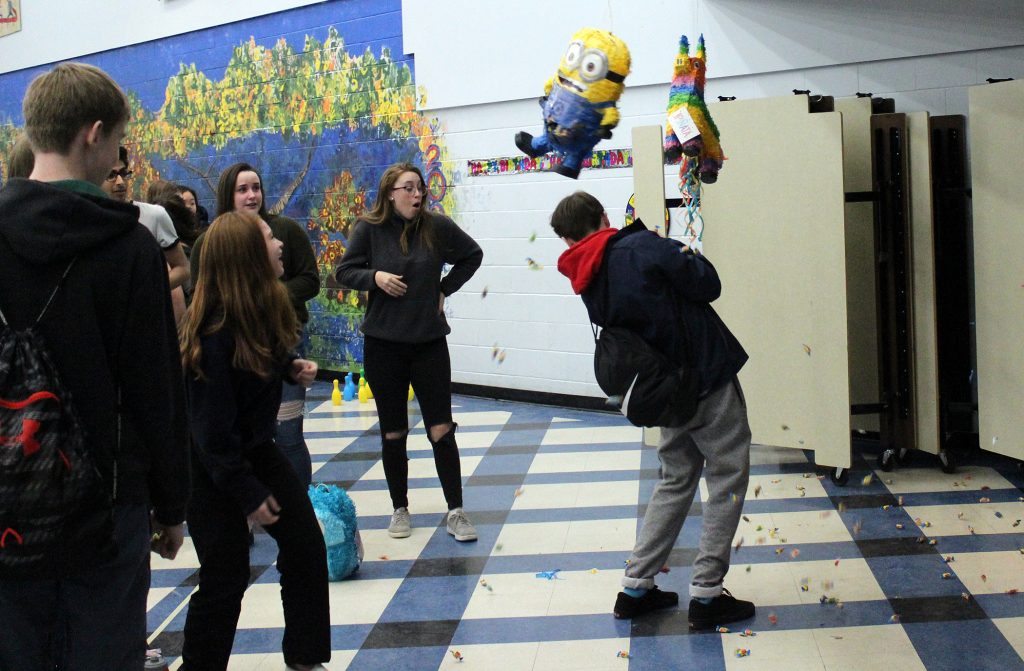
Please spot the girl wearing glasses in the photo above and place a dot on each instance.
(240, 189)
(396, 252)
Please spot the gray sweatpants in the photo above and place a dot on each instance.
(718, 435)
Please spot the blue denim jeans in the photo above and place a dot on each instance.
(289, 436)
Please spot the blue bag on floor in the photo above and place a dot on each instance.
(337, 517)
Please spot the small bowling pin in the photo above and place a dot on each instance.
(369, 392)
(411, 395)
(336, 394)
(364, 391)
(350, 388)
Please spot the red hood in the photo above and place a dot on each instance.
(582, 261)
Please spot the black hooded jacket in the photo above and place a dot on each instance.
(109, 330)
(659, 290)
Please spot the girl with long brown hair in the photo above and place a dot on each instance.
(237, 342)
(396, 252)
(240, 189)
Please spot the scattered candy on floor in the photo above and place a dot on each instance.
(622, 654)
(748, 633)
(549, 575)
(743, 652)
(867, 479)
(773, 618)
(457, 655)
(722, 630)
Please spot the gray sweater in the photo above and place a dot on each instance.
(414, 317)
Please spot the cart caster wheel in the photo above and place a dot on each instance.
(839, 476)
(887, 459)
(946, 462)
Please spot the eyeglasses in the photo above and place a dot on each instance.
(409, 188)
(123, 173)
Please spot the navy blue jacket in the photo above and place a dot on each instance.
(659, 290)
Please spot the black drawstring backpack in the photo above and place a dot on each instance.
(639, 380)
(46, 474)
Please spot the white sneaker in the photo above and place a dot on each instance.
(460, 526)
(401, 526)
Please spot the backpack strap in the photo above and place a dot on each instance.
(603, 271)
(53, 294)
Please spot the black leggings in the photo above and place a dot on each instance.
(390, 368)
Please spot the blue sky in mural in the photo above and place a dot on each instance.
(145, 68)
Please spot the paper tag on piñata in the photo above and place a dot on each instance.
(683, 124)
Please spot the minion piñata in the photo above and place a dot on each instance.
(579, 101)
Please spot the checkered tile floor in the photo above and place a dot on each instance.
(551, 488)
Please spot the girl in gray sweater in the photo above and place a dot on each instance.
(396, 252)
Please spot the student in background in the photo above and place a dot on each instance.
(153, 217)
(21, 159)
(237, 345)
(240, 189)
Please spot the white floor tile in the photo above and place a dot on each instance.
(916, 480)
(1013, 630)
(794, 528)
(1002, 571)
(777, 486)
(378, 501)
(588, 435)
(873, 647)
(964, 519)
(578, 495)
(589, 655)
(377, 544)
(586, 462)
(779, 584)
(329, 446)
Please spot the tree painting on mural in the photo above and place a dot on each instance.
(320, 124)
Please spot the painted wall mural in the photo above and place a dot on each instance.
(320, 112)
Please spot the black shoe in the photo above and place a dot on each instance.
(723, 609)
(566, 171)
(524, 141)
(627, 606)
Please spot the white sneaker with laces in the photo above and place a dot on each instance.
(460, 526)
(401, 525)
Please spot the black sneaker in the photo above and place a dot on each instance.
(627, 606)
(723, 609)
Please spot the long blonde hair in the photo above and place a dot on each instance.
(239, 290)
(384, 208)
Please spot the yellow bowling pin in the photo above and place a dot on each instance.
(364, 391)
(411, 395)
(336, 394)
